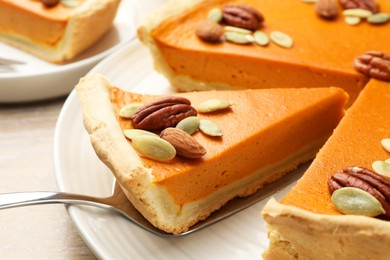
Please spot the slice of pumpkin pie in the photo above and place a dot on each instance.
(310, 222)
(180, 157)
(56, 31)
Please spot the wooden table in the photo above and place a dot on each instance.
(26, 164)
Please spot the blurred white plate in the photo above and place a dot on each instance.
(38, 79)
(110, 236)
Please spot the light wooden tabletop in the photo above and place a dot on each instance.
(26, 164)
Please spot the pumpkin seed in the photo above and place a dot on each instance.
(237, 30)
(131, 133)
(210, 128)
(281, 39)
(310, 1)
(378, 18)
(350, 200)
(239, 38)
(352, 20)
(382, 168)
(386, 144)
(189, 124)
(250, 37)
(128, 110)
(212, 105)
(261, 38)
(215, 15)
(153, 147)
(70, 3)
(358, 12)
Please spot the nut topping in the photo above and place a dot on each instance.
(242, 16)
(382, 168)
(189, 124)
(153, 147)
(282, 39)
(162, 113)
(128, 110)
(374, 64)
(215, 15)
(370, 5)
(327, 9)
(213, 105)
(238, 38)
(378, 18)
(364, 179)
(183, 142)
(261, 38)
(209, 31)
(354, 201)
(210, 128)
(386, 144)
(360, 13)
(50, 3)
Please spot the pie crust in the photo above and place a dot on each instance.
(154, 198)
(300, 234)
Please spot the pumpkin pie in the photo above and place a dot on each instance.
(306, 224)
(57, 33)
(322, 53)
(265, 134)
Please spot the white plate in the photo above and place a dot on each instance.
(110, 236)
(38, 79)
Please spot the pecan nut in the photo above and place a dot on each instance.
(162, 113)
(374, 64)
(242, 16)
(184, 143)
(327, 9)
(369, 5)
(364, 179)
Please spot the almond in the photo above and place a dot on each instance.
(184, 143)
(209, 31)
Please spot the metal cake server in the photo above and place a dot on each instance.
(6, 65)
(119, 203)
(5, 62)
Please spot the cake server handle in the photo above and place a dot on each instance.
(19, 199)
